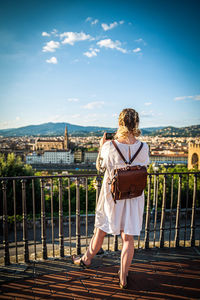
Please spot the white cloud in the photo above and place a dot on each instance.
(88, 19)
(92, 52)
(181, 98)
(73, 37)
(94, 22)
(108, 43)
(73, 99)
(141, 41)
(147, 114)
(17, 118)
(147, 103)
(109, 27)
(94, 105)
(76, 116)
(54, 31)
(136, 50)
(52, 60)
(44, 33)
(195, 97)
(51, 46)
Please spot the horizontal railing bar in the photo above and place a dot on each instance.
(49, 176)
(89, 175)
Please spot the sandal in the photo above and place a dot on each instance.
(80, 263)
(122, 286)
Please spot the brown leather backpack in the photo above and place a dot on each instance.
(128, 182)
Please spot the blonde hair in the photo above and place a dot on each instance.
(128, 123)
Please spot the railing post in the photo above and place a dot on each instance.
(78, 239)
(98, 180)
(193, 225)
(5, 225)
(24, 212)
(147, 224)
(154, 197)
(34, 224)
(186, 210)
(61, 239)
(86, 211)
(171, 206)
(98, 189)
(177, 227)
(43, 221)
(162, 223)
(156, 209)
(115, 243)
(52, 220)
(69, 208)
(15, 219)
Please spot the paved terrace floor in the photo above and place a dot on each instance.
(154, 274)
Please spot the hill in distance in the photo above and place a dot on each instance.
(54, 129)
(189, 131)
(58, 129)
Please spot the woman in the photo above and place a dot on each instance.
(125, 216)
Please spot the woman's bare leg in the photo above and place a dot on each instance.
(126, 255)
(95, 245)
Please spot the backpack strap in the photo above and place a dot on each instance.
(122, 156)
(138, 151)
(134, 156)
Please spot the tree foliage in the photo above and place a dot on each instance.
(12, 166)
(172, 186)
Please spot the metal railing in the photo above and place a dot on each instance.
(171, 219)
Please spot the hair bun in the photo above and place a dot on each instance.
(128, 123)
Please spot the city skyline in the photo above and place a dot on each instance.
(83, 62)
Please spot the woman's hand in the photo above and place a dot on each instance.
(103, 139)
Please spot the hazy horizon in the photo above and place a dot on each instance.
(94, 125)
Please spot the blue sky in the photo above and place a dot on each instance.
(82, 62)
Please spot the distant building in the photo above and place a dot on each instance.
(33, 158)
(53, 144)
(51, 157)
(90, 156)
(169, 159)
(78, 156)
(194, 155)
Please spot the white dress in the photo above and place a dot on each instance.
(126, 215)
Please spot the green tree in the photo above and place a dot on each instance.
(172, 183)
(12, 166)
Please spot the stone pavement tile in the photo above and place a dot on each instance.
(101, 287)
(96, 284)
(18, 289)
(54, 277)
(81, 273)
(12, 293)
(165, 283)
(74, 289)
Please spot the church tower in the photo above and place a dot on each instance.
(66, 142)
(194, 155)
